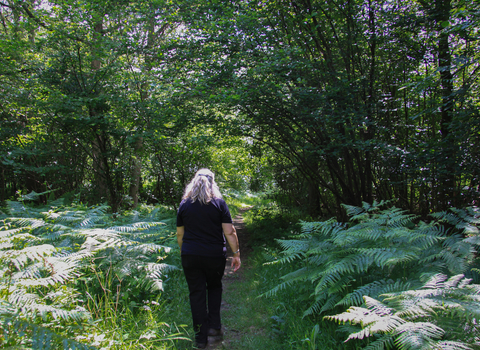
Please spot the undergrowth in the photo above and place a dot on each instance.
(396, 282)
(283, 325)
(77, 277)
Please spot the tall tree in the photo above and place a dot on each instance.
(346, 93)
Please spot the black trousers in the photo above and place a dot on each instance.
(204, 279)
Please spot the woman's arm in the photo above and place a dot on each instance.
(232, 238)
(180, 232)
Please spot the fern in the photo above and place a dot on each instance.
(386, 253)
(420, 318)
(44, 252)
(374, 289)
(42, 337)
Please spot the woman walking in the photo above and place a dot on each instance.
(203, 224)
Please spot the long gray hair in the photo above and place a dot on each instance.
(202, 187)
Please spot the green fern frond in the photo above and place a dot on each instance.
(281, 286)
(316, 307)
(65, 216)
(59, 313)
(469, 214)
(6, 308)
(286, 259)
(330, 303)
(79, 218)
(136, 216)
(320, 248)
(386, 341)
(60, 272)
(427, 236)
(11, 232)
(396, 217)
(53, 228)
(19, 298)
(354, 212)
(464, 220)
(28, 272)
(356, 315)
(33, 196)
(16, 208)
(330, 277)
(418, 335)
(455, 264)
(447, 217)
(135, 250)
(158, 270)
(99, 234)
(293, 246)
(350, 264)
(322, 229)
(345, 240)
(35, 253)
(452, 345)
(298, 275)
(342, 285)
(373, 289)
(136, 226)
(156, 274)
(41, 337)
(369, 233)
(358, 213)
(392, 256)
(37, 277)
(474, 240)
(33, 223)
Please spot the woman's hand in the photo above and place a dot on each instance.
(236, 262)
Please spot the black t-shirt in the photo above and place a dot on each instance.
(203, 227)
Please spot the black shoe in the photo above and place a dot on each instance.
(200, 345)
(212, 332)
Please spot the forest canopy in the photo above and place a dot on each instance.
(324, 102)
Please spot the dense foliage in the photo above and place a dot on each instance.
(326, 102)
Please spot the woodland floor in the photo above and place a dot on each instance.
(231, 280)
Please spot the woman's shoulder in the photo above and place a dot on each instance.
(218, 200)
(185, 202)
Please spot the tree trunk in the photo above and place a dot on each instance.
(136, 170)
(136, 167)
(104, 184)
(448, 159)
(3, 184)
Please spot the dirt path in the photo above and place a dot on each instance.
(230, 280)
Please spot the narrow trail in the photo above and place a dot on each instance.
(230, 280)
